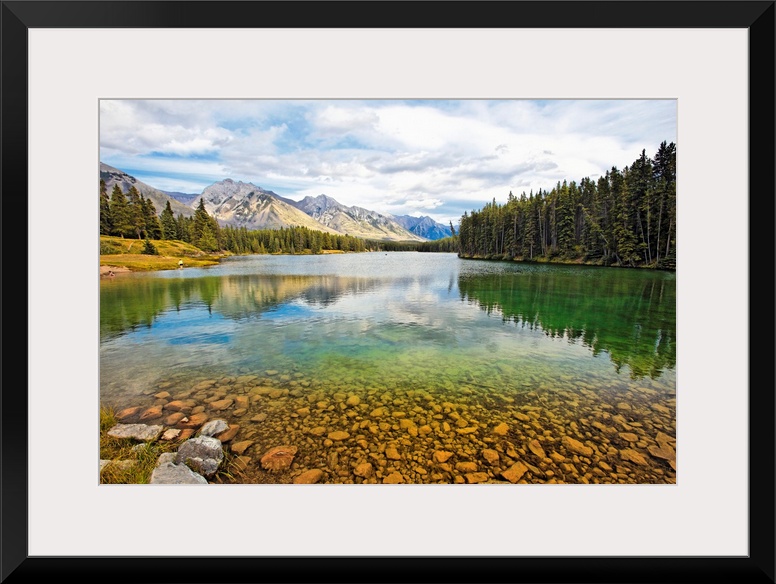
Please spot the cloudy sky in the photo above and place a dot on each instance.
(422, 157)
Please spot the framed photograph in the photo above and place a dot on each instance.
(551, 433)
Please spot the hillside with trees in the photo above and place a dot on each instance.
(625, 218)
(132, 215)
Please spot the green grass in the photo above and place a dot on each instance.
(111, 448)
(144, 459)
(126, 253)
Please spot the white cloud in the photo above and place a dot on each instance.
(390, 156)
(423, 203)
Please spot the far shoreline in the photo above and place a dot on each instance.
(112, 265)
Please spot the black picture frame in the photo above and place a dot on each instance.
(755, 16)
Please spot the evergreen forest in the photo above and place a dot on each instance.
(625, 218)
(134, 216)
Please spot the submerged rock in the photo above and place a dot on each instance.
(239, 448)
(394, 478)
(476, 477)
(221, 404)
(576, 446)
(515, 472)
(536, 447)
(309, 477)
(491, 456)
(174, 418)
(664, 451)
(466, 466)
(151, 413)
(193, 421)
(128, 413)
(364, 470)
(442, 456)
(278, 458)
(631, 455)
(501, 430)
(229, 433)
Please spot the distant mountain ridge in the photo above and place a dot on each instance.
(246, 205)
(185, 198)
(355, 221)
(424, 226)
(241, 204)
(113, 176)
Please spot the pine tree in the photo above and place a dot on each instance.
(665, 184)
(105, 219)
(136, 212)
(169, 227)
(183, 228)
(121, 219)
(153, 227)
(149, 248)
(207, 240)
(203, 223)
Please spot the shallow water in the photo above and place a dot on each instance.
(559, 373)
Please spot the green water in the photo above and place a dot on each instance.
(575, 349)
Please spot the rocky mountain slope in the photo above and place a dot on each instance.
(423, 226)
(245, 205)
(355, 221)
(242, 204)
(113, 176)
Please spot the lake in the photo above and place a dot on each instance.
(406, 367)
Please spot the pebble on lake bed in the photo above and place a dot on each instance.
(278, 458)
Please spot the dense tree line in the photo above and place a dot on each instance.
(132, 215)
(128, 215)
(447, 244)
(626, 218)
(292, 240)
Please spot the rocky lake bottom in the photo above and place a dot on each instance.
(282, 427)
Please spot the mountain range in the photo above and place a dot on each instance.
(241, 204)
(355, 221)
(245, 205)
(113, 176)
(424, 227)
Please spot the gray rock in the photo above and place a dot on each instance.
(202, 454)
(169, 473)
(213, 427)
(165, 458)
(142, 432)
(207, 467)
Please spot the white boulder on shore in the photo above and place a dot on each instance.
(169, 473)
(196, 460)
(141, 432)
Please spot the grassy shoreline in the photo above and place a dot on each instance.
(119, 255)
(563, 262)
